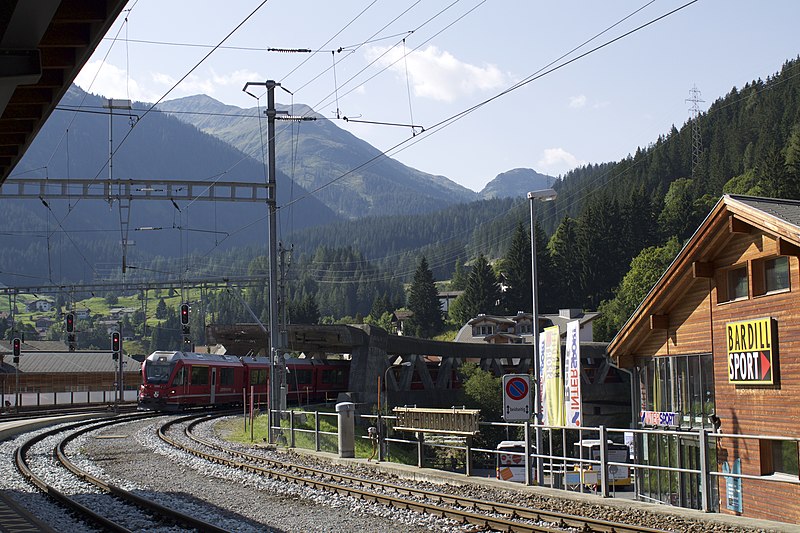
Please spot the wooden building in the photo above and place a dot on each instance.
(715, 345)
(51, 373)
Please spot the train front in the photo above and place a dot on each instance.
(158, 370)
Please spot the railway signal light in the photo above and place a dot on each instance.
(116, 344)
(70, 323)
(16, 346)
(184, 314)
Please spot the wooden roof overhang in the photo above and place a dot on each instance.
(695, 261)
(43, 46)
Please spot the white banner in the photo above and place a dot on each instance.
(572, 376)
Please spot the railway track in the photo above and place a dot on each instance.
(494, 516)
(99, 512)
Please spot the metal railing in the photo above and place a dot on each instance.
(69, 398)
(693, 485)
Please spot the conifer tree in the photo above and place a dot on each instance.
(517, 270)
(423, 301)
(481, 294)
(459, 280)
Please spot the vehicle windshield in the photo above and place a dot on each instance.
(157, 373)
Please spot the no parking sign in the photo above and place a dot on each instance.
(517, 397)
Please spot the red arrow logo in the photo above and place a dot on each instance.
(765, 365)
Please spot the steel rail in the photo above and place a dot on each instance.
(164, 513)
(465, 510)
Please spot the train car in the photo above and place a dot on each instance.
(172, 381)
(311, 381)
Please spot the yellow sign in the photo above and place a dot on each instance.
(750, 350)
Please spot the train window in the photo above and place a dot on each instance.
(335, 375)
(226, 376)
(199, 375)
(301, 377)
(258, 377)
(180, 377)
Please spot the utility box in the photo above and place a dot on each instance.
(347, 429)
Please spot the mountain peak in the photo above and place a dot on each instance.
(516, 183)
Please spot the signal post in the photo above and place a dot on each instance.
(116, 353)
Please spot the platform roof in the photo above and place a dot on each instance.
(43, 46)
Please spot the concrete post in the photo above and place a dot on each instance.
(468, 457)
(705, 477)
(603, 462)
(347, 429)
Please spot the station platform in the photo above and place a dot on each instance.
(623, 501)
(13, 427)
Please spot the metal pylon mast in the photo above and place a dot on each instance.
(697, 141)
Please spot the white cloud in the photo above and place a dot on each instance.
(110, 81)
(556, 161)
(107, 80)
(576, 102)
(437, 74)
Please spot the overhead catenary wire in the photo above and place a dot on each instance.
(285, 206)
(540, 73)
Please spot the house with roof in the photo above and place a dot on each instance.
(516, 329)
(714, 348)
(41, 306)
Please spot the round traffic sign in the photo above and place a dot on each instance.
(517, 388)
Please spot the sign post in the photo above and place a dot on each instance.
(517, 398)
(518, 407)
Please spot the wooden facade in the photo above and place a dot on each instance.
(690, 310)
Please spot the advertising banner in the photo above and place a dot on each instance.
(572, 376)
(552, 378)
(751, 346)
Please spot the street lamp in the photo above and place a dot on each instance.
(545, 195)
(386, 383)
(381, 433)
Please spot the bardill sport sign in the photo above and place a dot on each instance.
(751, 345)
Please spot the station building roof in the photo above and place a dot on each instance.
(732, 214)
(65, 362)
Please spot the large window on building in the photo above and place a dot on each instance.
(776, 274)
(737, 283)
(679, 384)
(779, 457)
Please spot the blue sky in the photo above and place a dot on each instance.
(422, 62)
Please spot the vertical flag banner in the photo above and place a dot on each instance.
(572, 375)
(552, 378)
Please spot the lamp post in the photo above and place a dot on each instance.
(381, 433)
(544, 195)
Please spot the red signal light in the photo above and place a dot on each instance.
(115, 342)
(70, 323)
(16, 346)
(184, 314)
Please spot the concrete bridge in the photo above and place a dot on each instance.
(427, 381)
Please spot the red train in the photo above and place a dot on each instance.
(172, 381)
